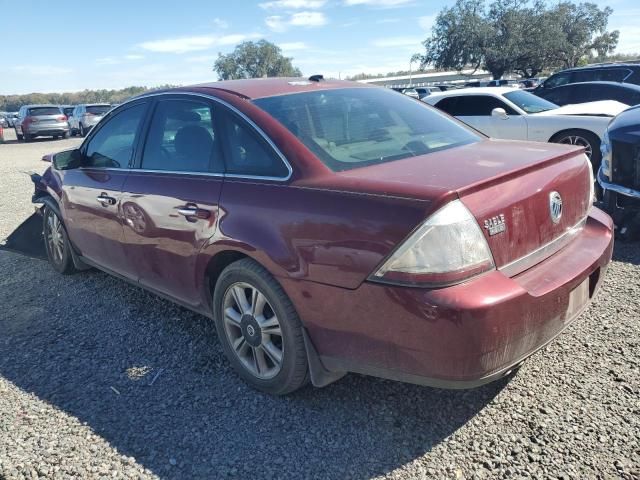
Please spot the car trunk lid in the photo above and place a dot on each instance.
(506, 185)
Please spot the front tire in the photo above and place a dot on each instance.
(259, 329)
(57, 243)
(583, 138)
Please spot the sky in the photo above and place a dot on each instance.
(70, 46)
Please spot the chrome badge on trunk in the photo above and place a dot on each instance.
(495, 225)
(555, 206)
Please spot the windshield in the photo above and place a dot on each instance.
(529, 102)
(33, 112)
(353, 127)
(98, 109)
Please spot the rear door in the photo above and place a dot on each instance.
(91, 194)
(170, 201)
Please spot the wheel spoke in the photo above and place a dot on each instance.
(240, 346)
(232, 317)
(274, 353)
(270, 326)
(261, 361)
(240, 299)
(258, 301)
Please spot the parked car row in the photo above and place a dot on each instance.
(55, 121)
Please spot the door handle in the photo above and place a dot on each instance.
(189, 211)
(105, 200)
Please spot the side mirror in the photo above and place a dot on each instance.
(67, 159)
(500, 113)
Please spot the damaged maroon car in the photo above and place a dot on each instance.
(331, 227)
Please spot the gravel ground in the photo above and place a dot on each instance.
(99, 379)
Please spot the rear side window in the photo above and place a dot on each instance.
(248, 154)
(35, 111)
(353, 127)
(98, 109)
(181, 138)
(558, 80)
(113, 144)
(601, 75)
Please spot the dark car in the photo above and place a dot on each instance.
(627, 93)
(330, 227)
(619, 174)
(607, 72)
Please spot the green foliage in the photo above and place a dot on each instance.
(525, 36)
(255, 60)
(11, 103)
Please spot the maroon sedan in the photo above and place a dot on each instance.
(331, 227)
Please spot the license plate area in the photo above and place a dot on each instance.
(580, 295)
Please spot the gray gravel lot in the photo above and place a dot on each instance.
(99, 379)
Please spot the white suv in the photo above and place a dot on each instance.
(86, 116)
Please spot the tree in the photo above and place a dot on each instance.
(255, 60)
(525, 36)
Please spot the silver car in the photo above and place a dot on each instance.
(86, 116)
(41, 121)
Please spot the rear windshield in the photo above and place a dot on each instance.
(35, 111)
(354, 127)
(529, 102)
(98, 109)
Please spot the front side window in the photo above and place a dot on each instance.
(480, 106)
(113, 144)
(354, 127)
(182, 138)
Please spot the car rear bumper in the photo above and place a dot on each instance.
(47, 129)
(460, 336)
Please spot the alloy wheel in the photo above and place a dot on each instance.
(253, 330)
(580, 141)
(55, 238)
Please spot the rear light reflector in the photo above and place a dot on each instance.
(448, 248)
(63, 118)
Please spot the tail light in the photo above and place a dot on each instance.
(62, 118)
(29, 120)
(448, 248)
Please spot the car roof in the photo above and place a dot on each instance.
(477, 91)
(629, 86)
(602, 65)
(267, 87)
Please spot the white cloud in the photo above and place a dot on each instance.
(279, 23)
(398, 42)
(283, 4)
(220, 23)
(308, 19)
(193, 44)
(291, 46)
(379, 3)
(427, 21)
(41, 70)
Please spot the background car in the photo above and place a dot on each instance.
(503, 83)
(86, 116)
(330, 227)
(606, 72)
(411, 92)
(4, 123)
(619, 175)
(627, 93)
(68, 110)
(41, 121)
(511, 113)
(426, 91)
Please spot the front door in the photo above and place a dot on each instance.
(170, 203)
(475, 110)
(91, 194)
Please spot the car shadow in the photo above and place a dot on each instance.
(150, 378)
(27, 239)
(627, 251)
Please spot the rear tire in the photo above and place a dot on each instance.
(27, 137)
(57, 243)
(65, 135)
(83, 132)
(19, 136)
(259, 329)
